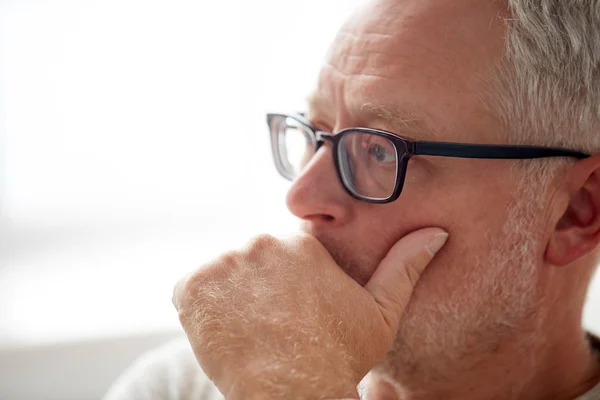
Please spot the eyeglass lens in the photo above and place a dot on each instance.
(296, 145)
(367, 162)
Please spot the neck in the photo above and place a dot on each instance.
(545, 371)
(551, 359)
(548, 358)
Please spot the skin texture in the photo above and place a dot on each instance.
(275, 319)
(496, 314)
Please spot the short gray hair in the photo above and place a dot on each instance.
(551, 92)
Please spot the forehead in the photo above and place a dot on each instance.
(425, 58)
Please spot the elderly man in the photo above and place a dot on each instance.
(471, 121)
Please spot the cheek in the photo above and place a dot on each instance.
(477, 229)
(377, 228)
(468, 208)
(473, 214)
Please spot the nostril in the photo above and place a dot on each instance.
(319, 218)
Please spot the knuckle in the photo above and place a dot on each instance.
(227, 259)
(258, 245)
(307, 241)
(261, 241)
(190, 289)
(387, 311)
(306, 238)
(414, 267)
(411, 273)
(183, 294)
(195, 295)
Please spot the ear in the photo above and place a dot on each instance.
(577, 232)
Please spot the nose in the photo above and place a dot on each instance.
(317, 195)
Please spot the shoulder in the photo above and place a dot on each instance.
(170, 372)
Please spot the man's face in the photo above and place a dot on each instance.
(427, 62)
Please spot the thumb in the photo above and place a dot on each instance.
(394, 279)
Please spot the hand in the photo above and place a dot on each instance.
(281, 320)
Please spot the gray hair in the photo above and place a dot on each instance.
(551, 93)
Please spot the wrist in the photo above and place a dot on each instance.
(296, 392)
(290, 384)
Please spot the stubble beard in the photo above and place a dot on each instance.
(440, 341)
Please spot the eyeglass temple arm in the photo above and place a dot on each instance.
(464, 150)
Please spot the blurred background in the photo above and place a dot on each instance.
(133, 147)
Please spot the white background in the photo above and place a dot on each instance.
(132, 148)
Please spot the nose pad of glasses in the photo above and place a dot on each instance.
(320, 144)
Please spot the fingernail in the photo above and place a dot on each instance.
(436, 243)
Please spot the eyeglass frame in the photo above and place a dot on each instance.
(412, 148)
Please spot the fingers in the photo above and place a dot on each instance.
(394, 279)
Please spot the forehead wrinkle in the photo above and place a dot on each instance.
(381, 45)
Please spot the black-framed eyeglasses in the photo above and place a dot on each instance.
(371, 163)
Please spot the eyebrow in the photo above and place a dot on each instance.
(401, 120)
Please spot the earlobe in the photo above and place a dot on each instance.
(577, 231)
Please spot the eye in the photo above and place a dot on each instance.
(382, 153)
